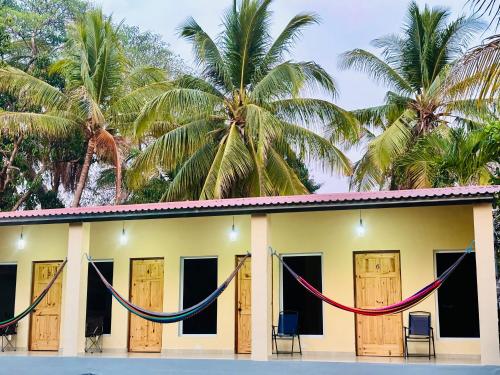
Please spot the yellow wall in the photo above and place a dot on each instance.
(43, 243)
(173, 239)
(415, 232)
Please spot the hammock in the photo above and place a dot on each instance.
(162, 317)
(35, 303)
(386, 310)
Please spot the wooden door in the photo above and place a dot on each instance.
(378, 283)
(146, 291)
(46, 319)
(244, 307)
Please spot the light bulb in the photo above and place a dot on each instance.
(123, 237)
(21, 243)
(233, 235)
(360, 228)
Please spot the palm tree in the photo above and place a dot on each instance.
(414, 65)
(98, 85)
(453, 156)
(236, 129)
(481, 65)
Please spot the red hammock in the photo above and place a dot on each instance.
(386, 310)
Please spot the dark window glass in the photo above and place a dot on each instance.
(200, 280)
(98, 297)
(297, 298)
(8, 274)
(457, 297)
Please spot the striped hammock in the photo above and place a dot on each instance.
(162, 317)
(398, 307)
(35, 303)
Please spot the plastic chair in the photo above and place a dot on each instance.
(287, 329)
(419, 330)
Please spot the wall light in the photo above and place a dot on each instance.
(21, 242)
(233, 234)
(360, 229)
(123, 236)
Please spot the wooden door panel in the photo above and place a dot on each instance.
(146, 291)
(45, 320)
(244, 308)
(378, 283)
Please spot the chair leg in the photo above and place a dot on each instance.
(300, 346)
(429, 348)
(293, 340)
(433, 345)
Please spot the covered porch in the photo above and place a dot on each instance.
(193, 246)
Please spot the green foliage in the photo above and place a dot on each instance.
(144, 48)
(242, 128)
(415, 66)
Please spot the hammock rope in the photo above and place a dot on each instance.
(36, 302)
(168, 317)
(398, 307)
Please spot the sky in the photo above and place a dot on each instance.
(345, 24)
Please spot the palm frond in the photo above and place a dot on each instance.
(31, 90)
(207, 54)
(49, 124)
(381, 72)
(392, 142)
(286, 40)
(176, 103)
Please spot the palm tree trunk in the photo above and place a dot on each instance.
(118, 183)
(82, 181)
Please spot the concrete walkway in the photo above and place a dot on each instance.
(135, 366)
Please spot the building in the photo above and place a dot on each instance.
(167, 256)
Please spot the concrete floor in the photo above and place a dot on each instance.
(103, 364)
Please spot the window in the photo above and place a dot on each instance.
(98, 297)
(457, 297)
(199, 281)
(8, 273)
(296, 298)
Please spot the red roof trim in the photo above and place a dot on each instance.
(297, 200)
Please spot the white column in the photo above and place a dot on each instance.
(75, 288)
(486, 283)
(261, 288)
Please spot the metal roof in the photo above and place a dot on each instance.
(237, 206)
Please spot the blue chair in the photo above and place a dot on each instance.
(287, 329)
(419, 330)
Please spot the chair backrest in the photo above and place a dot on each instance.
(288, 323)
(9, 330)
(94, 326)
(419, 323)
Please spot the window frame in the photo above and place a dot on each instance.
(104, 260)
(301, 254)
(15, 263)
(181, 297)
(436, 300)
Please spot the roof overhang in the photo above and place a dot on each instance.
(248, 206)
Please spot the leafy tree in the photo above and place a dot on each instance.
(96, 83)
(144, 48)
(36, 28)
(453, 156)
(238, 128)
(415, 66)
